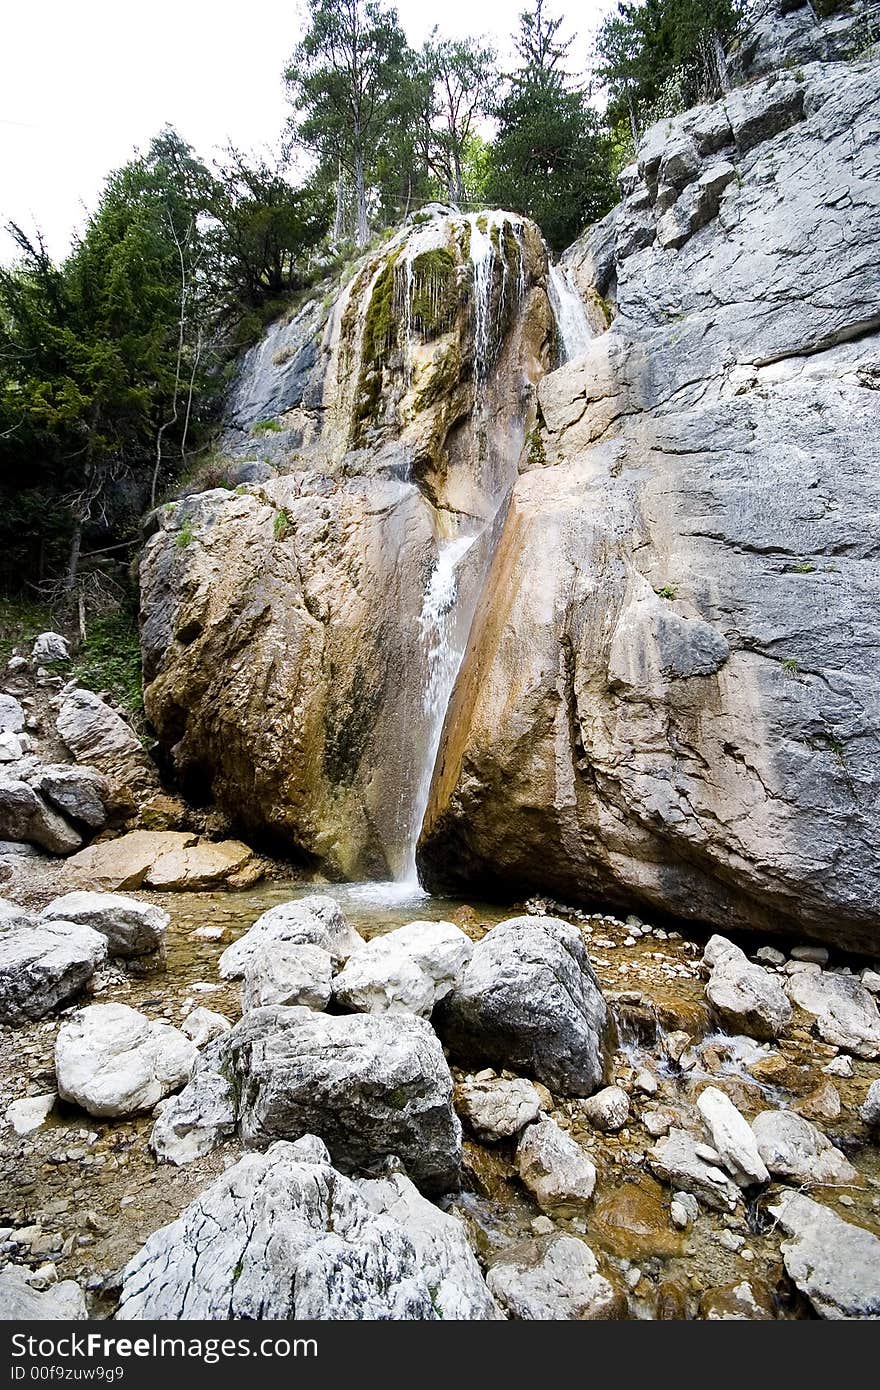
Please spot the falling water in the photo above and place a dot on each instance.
(571, 314)
(443, 638)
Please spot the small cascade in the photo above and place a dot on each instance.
(482, 253)
(570, 312)
(444, 633)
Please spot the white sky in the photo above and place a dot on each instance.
(85, 82)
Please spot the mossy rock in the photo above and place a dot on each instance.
(434, 292)
(441, 377)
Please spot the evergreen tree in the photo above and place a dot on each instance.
(458, 79)
(550, 160)
(659, 56)
(345, 80)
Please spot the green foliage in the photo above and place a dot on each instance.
(550, 159)
(281, 524)
(804, 568)
(21, 622)
(790, 666)
(668, 591)
(185, 536)
(110, 658)
(656, 57)
(271, 426)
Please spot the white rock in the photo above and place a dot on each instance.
(287, 972)
(732, 1137)
(112, 1060)
(43, 964)
(869, 1110)
(283, 1235)
(846, 1013)
(676, 1159)
(407, 970)
(11, 746)
(192, 1123)
(871, 980)
(552, 1278)
(315, 920)
(793, 1148)
(834, 1264)
(768, 955)
(744, 996)
(50, 646)
(16, 664)
(497, 1109)
(12, 715)
(607, 1110)
(132, 928)
(202, 1026)
(554, 1168)
(646, 1082)
(30, 1112)
(839, 1066)
(21, 1302)
(446, 1260)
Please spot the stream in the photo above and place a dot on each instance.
(83, 1194)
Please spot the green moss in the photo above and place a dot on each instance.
(537, 454)
(804, 568)
(281, 525)
(603, 306)
(790, 666)
(668, 591)
(185, 535)
(434, 291)
(267, 427)
(379, 340)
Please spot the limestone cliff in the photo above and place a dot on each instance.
(670, 693)
(286, 649)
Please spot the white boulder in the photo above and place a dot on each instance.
(407, 970)
(112, 1060)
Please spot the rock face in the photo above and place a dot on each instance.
(372, 1086)
(284, 1235)
(746, 998)
(553, 1278)
(112, 1060)
(131, 928)
(170, 860)
(405, 971)
(668, 694)
(43, 964)
(835, 1264)
(285, 665)
(529, 1000)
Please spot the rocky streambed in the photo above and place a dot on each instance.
(627, 1121)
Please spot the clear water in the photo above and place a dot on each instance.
(571, 314)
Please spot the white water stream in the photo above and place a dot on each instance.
(571, 314)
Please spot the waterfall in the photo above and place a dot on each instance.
(444, 631)
(571, 314)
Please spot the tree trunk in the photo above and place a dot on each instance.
(457, 178)
(339, 220)
(362, 234)
(633, 124)
(73, 557)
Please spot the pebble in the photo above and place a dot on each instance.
(646, 1082)
(846, 1201)
(633, 1278)
(839, 1066)
(543, 1226)
(729, 1240)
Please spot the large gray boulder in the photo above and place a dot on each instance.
(50, 646)
(112, 1060)
(131, 927)
(407, 970)
(283, 1235)
(529, 1000)
(12, 715)
(80, 793)
(745, 997)
(315, 920)
(43, 965)
(797, 1151)
(834, 1264)
(370, 1085)
(287, 972)
(25, 816)
(497, 1109)
(731, 1138)
(202, 1115)
(845, 1011)
(98, 736)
